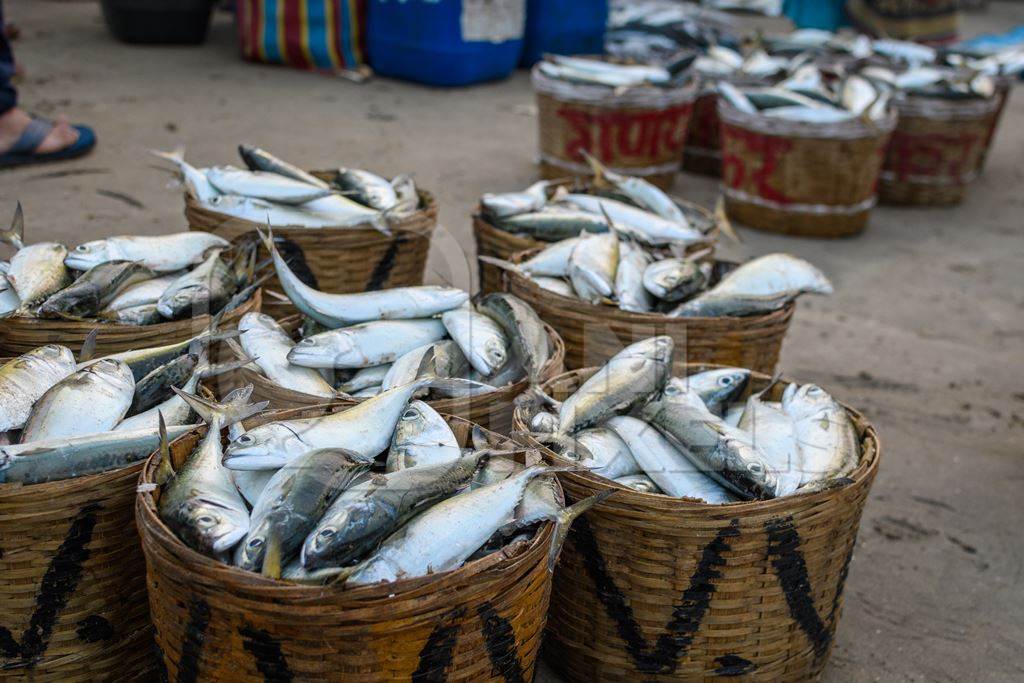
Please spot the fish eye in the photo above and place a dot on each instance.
(326, 533)
(244, 438)
(725, 381)
(206, 520)
(82, 248)
(756, 468)
(256, 543)
(307, 342)
(410, 414)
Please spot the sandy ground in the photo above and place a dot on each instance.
(924, 333)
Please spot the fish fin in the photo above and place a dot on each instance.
(724, 224)
(600, 178)
(176, 155)
(208, 370)
(452, 384)
(272, 555)
(236, 406)
(771, 383)
(564, 520)
(478, 438)
(165, 469)
(88, 351)
(382, 221)
(566, 443)
(501, 263)
(15, 235)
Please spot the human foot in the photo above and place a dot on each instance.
(14, 122)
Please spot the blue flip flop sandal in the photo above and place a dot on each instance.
(24, 150)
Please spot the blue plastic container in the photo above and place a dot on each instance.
(444, 42)
(563, 27)
(828, 15)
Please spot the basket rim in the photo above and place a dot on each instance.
(557, 358)
(853, 129)
(584, 307)
(152, 530)
(865, 473)
(58, 325)
(428, 209)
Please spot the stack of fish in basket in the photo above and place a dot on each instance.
(351, 347)
(130, 291)
(725, 547)
(624, 262)
(346, 230)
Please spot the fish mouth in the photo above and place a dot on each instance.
(79, 263)
(229, 540)
(165, 310)
(251, 460)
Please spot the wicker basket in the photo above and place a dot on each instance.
(703, 152)
(343, 260)
(72, 582)
(800, 179)
(21, 335)
(218, 623)
(640, 132)
(658, 588)
(491, 411)
(498, 243)
(594, 333)
(938, 148)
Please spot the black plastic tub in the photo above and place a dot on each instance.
(182, 22)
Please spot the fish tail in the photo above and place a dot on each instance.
(165, 469)
(207, 370)
(15, 235)
(236, 406)
(272, 555)
(88, 351)
(501, 263)
(724, 224)
(599, 169)
(175, 156)
(564, 521)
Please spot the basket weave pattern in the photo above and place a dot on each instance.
(218, 623)
(72, 581)
(657, 588)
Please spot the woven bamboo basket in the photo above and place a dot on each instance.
(938, 149)
(72, 582)
(343, 260)
(498, 243)
(640, 132)
(703, 151)
(491, 411)
(922, 21)
(800, 179)
(594, 333)
(214, 622)
(21, 335)
(652, 587)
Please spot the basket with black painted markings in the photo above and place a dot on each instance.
(338, 260)
(72, 581)
(651, 587)
(215, 622)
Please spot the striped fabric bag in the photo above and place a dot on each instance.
(318, 35)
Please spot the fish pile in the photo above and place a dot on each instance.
(606, 268)
(655, 31)
(274, 191)
(364, 344)
(129, 279)
(806, 95)
(61, 419)
(942, 82)
(694, 437)
(379, 492)
(552, 213)
(621, 76)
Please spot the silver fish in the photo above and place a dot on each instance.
(599, 449)
(261, 160)
(554, 223)
(422, 438)
(142, 293)
(88, 401)
(523, 328)
(827, 437)
(196, 182)
(366, 188)
(291, 504)
(91, 292)
(365, 377)
(406, 367)
(206, 288)
(481, 339)
(674, 279)
(629, 378)
(672, 471)
(25, 379)
(365, 344)
(266, 341)
(592, 266)
(629, 275)
(161, 253)
(764, 284)
(9, 301)
(508, 204)
(716, 388)
(639, 482)
(772, 431)
(642, 225)
(556, 285)
(640, 192)
(37, 271)
(367, 513)
(199, 502)
(262, 185)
